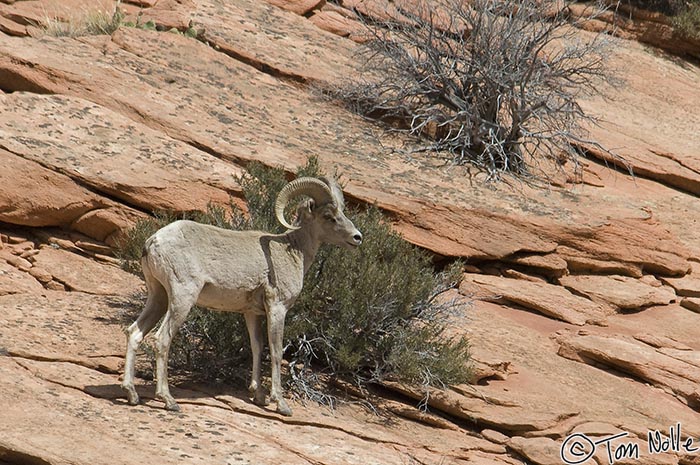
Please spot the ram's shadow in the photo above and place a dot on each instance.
(203, 395)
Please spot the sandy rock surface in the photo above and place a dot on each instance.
(584, 299)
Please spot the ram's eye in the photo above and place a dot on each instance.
(331, 218)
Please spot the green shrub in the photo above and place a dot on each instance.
(667, 7)
(684, 15)
(368, 314)
(371, 313)
(687, 23)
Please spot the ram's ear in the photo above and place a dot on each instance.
(310, 205)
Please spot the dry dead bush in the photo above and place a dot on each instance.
(494, 83)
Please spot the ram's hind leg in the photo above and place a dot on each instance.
(179, 306)
(254, 324)
(155, 308)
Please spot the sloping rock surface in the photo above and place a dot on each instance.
(548, 299)
(677, 370)
(621, 292)
(574, 292)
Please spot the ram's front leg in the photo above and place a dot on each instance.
(276, 313)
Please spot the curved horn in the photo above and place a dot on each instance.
(336, 191)
(314, 188)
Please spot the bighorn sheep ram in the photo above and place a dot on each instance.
(250, 272)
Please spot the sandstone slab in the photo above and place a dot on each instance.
(666, 154)
(547, 299)
(547, 264)
(72, 327)
(581, 262)
(145, 159)
(644, 26)
(669, 326)
(168, 14)
(13, 28)
(660, 341)
(542, 451)
(40, 274)
(644, 243)
(494, 436)
(55, 199)
(336, 23)
(38, 12)
(508, 416)
(14, 281)
(688, 285)
(691, 303)
(605, 402)
(678, 373)
(82, 274)
(596, 429)
(621, 292)
(279, 42)
(300, 7)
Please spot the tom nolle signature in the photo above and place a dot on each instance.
(579, 448)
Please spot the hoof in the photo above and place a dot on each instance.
(131, 395)
(260, 398)
(283, 409)
(170, 404)
(172, 407)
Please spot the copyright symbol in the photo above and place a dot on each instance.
(577, 448)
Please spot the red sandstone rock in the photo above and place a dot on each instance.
(542, 451)
(689, 285)
(663, 368)
(40, 274)
(300, 7)
(157, 120)
(335, 23)
(644, 26)
(55, 201)
(548, 299)
(691, 303)
(14, 281)
(619, 291)
(119, 159)
(85, 275)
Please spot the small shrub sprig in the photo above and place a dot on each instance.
(100, 22)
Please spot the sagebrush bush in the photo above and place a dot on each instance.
(687, 22)
(684, 14)
(668, 7)
(366, 314)
(370, 313)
